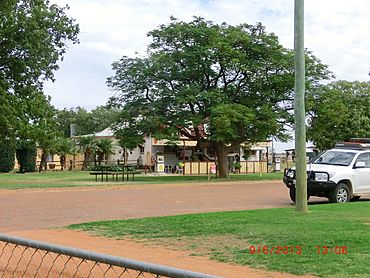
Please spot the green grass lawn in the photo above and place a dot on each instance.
(228, 237)
(54, 179)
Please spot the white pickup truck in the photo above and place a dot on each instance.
(340, 174)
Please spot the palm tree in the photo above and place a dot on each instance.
(87, 147)
(64, 147)
(104, 149)
(47, 144)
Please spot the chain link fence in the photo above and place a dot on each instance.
(21, 257)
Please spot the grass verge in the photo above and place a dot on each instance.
(228, 237)
(55, 179)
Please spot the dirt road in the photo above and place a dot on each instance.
(47, 208)
(31, 213)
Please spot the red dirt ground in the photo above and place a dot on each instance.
(33, 213)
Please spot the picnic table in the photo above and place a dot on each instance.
(106, 171)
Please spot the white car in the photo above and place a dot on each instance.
(340, 174)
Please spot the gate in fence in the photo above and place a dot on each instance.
(21, 257)
(203, 168)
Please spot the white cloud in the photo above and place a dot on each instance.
(337, 31)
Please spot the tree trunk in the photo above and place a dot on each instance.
(100, 157)
(86, 157)
(221, 153)
(125, 154)
(43, 164)
(62, 159)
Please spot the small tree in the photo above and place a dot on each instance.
(128, 139)
(104, 147)
(64, 147)
(87, 147)
(26, 153)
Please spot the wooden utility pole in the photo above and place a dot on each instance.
(299, 108)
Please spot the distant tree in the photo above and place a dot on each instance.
(339, 111)
(102, 117)
(88, 122)
(33, 37)
(79, 116)
(221, 85)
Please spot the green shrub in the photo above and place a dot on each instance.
(111, 168)
(26, 156)
(7, 155)
(237, 165)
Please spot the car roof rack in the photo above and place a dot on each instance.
(352, 145)
(360, 140)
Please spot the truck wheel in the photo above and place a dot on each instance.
(340, 194)
(292, 194)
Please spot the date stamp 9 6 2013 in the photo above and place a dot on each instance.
(297, 250)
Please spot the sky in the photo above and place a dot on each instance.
(337, 31)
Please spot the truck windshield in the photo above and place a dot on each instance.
(335, 158)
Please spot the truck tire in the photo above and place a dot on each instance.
(292, 194)
(340, 194)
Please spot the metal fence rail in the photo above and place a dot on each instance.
(21, 257)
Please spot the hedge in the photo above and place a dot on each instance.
(26, 157)
(7, 155)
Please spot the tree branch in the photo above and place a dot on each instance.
(147, 95)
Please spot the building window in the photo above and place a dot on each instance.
(142, 149)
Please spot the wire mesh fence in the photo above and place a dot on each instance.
(21, 257)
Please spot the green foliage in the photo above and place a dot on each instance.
(64, 147)
(104, 147)
(44, 131)
(237, 165)
(33, 37)
(86, 145)
(129, 138)
(77, 116)
(7, 155)
(247, 153)
(218, 84)
(26, 153)
(111, 168)
(228, 120)
(339, 111)
(88, 122)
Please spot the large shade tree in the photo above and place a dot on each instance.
(221, 85)
(33, 37)
(339, 111)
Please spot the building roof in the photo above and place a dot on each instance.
(105, 133)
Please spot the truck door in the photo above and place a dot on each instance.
(362, 175)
